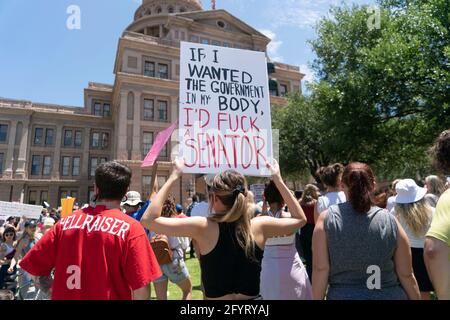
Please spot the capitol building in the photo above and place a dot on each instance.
(48, 152)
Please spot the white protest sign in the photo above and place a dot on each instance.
(225, 120)
(20, 210)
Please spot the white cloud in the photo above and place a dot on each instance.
(273, 49)
(302, 14)
(308, 72)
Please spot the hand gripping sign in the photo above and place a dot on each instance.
(225, 120)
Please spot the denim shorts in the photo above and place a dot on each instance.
(175, 272)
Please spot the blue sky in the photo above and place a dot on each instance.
(43, 61)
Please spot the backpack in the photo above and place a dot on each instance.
(161, 248)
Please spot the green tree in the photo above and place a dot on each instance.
(382, 94)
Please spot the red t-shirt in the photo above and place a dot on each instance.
(97, 254)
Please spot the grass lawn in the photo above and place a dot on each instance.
(194, 272)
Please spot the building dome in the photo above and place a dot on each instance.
(158, 7)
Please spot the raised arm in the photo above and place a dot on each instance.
(153, 221)
(272, 227)
(16, 257)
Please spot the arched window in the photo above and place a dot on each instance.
(148, 12)
(158, 10)
(130, 106)
(182, 9)
(170, 9)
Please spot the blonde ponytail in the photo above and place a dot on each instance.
(231, 188)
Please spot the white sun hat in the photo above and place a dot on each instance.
(409, 192)
(133, 199)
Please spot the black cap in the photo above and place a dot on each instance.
(30, 223)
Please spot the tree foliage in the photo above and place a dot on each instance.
(382, 95)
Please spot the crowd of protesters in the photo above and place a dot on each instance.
(341, 239)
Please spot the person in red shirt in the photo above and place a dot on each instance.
(97, 253)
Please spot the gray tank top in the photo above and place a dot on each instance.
(356, 242)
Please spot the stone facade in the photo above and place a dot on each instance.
(50, 151)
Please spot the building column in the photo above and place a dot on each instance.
(10, 153)
(86, 161)
(21, 172)
(137, 152)
(83, 191)
(57, 154)
(122, 152)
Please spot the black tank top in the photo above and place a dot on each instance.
(227, 270)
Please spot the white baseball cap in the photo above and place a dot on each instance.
(409, 192)
(49, 222)
(133, 199)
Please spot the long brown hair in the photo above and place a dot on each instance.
(310, 194)
(330, 175)
(232, 190)
(360, 180)
(169, 208)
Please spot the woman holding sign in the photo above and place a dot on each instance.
(283, 275)
(230, 243)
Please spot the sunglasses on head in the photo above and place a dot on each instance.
(9, 234)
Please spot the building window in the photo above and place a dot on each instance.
(105, 140)
(164, 151)
(170, 10)
(78, 138)
(3, 132)
(98, 109)
(35, 165)
(163, 71)
(158, 10)
(161, 181)
(64, 194)
(149, 69)
(146, 185)
(38, 135)
(149, 109)
(273, 88)
(226, 44)
(95, 140)
(194, 39)
(49, 137)
(221, 24)
(67, 138)
(94, 164)
(106, 110)
(147, 142)
(76, 166)
(215, 43)
(177, 34)
(32, 198)
(183, 35)
(44, 196)
(162, 110)
(204, 41)
(2, 156)
(47, 166)
(65, 166)
(283, 90)
(182, 9)
(90, 194)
